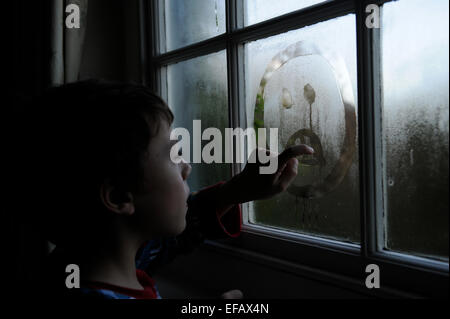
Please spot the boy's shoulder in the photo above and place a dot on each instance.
(85, 292)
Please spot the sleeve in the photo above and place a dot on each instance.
(204, 220)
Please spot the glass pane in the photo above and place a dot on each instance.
(415, 126)
(304, 83)
(260, 10)
(197, 90)
(192, 21)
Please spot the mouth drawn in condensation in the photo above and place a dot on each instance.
(337, 65)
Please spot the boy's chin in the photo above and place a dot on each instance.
(178, 229)
(167, 229)
(181, 228)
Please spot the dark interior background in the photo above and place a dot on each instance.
(111, 52)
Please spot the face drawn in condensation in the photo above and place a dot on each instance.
(300, 111)
(307, 136)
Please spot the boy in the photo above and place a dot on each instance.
(113, 201)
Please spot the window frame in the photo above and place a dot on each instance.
(336, 262)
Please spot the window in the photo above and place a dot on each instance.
(187, 22)
(197, 89)
(256, 11)
(415, 108)
(318, 121)
(373, 102)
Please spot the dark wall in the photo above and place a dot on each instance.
(111, 52)
(112, 41)
(23, 75)
(28, 46)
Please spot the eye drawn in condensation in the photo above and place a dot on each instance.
(321, 186)
(286, 99)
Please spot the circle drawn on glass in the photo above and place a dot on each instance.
(300, 49)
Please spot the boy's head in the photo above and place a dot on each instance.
(100, 156)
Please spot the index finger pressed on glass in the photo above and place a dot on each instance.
(294, 151)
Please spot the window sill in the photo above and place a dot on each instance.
(334, 263)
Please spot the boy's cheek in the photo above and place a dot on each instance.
(161, 213)
(173, 213)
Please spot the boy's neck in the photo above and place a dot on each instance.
(111, 260)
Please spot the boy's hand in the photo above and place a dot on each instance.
(250, 185)
(232, 294)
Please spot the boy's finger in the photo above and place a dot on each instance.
(288, 174)
(259, 153)
(293, 151)
(232, 294)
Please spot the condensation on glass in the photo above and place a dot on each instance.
(197, 90)
(303, 82)
(187, 22)
(415, 95)
(259, 10)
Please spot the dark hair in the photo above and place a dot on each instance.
(80, 135)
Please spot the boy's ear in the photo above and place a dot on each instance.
(116, 200)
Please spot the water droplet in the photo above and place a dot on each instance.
(391, 182)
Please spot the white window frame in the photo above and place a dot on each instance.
(331, 260)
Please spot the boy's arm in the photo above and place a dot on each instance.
(211, 215)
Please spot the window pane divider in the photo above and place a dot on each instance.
(235, 75)
(366, 133)
(291, 21)
(311, 240)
